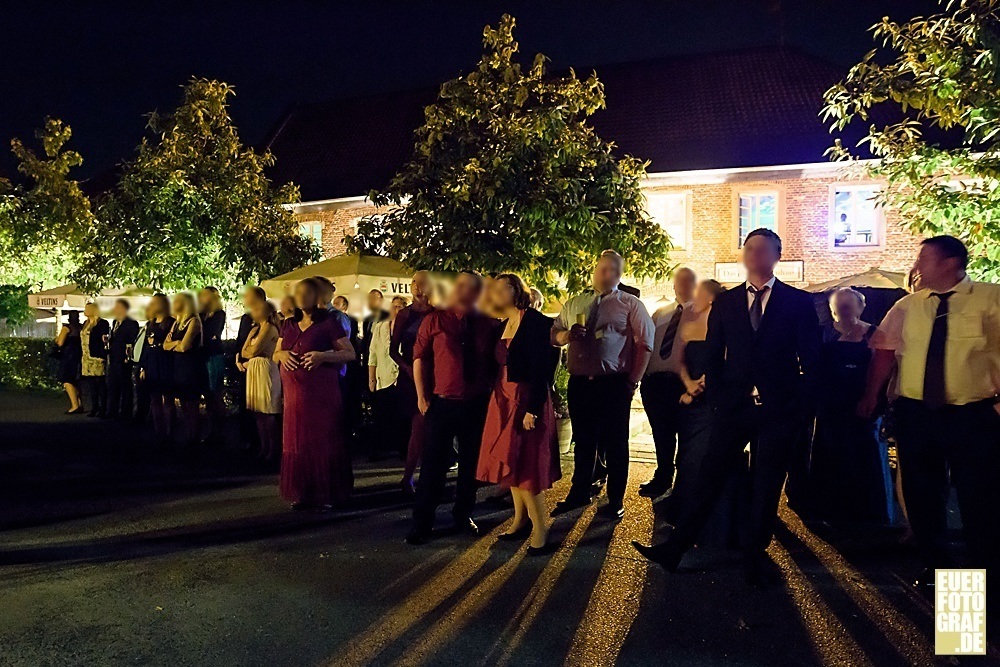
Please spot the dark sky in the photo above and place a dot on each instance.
(101, 65)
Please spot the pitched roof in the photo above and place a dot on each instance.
(748, 108)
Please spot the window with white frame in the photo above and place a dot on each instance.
(855, 220)
(672, 212)
(757, 210)
(313, 230)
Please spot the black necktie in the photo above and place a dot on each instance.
(667, 346)
(757, 306)
(934, 395)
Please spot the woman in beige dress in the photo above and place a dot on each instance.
(264, 379)
(93, 339)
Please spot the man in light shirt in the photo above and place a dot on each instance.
(943, 343)
(662, 386)
(610, 338)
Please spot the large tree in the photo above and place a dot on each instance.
(507, 175)
(44, 220)
(195, 208)
(938, 77)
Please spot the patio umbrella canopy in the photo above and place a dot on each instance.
(353, 274)
(72, 297)
(881, 290)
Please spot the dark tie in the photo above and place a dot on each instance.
(667, 346)
(757, 306)
(934, 396)
(592, 315)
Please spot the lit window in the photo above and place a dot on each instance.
(757, 210)
(672, 213)
(854, 217)
(313, 230)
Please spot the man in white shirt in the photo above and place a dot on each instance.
(943, 345)
(610, 338)
(661, 386)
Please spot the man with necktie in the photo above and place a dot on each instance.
(124, 331)
(610, 338)
(454, 367)
(943, 343)
(761, 353)
(662, 387)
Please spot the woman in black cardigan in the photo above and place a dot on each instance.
(519, 449)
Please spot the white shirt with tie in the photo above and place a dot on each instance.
(763, 297)
(661, 320)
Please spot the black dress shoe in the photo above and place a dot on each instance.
(466, 526)
(654, 488)
(416, 538)
(518, 535)
(571, 503)
(547, 548)
(614, 511)
(660, 554)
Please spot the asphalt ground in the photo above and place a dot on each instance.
(114, 552)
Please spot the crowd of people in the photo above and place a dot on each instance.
(469, 383)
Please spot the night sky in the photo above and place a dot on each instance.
(101, 66)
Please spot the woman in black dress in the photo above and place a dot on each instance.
(184, 344)
(70, 354)
(155, 367)
(848, 472)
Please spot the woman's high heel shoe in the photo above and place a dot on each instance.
(518, 535)
(544, 550)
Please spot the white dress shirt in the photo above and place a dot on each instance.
(763, 297)
(661, 319)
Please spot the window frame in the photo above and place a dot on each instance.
(831, 218)
(313, 224)
(684, 245)
(779, 209)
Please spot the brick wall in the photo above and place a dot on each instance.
(804, 220)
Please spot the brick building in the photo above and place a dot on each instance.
(734, 142)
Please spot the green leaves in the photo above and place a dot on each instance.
(942, 71)
(195, 207)
(507, 175)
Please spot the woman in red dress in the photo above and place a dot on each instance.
(519, 448)
(315, 463)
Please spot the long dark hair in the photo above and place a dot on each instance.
(318, 314)
(519, 290)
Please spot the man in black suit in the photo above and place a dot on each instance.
(762, 349)
(124, 331)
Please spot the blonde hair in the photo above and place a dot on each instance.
(845, 290)
(613, 255)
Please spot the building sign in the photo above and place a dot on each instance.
(734, 272)
(44, 301)
(394, 286)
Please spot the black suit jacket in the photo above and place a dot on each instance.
(121, 336)
(779, 359)
(96, 347)
(532, 359)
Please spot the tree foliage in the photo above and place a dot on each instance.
(507, 175)
(942, 71)
(195, 208)
(43, 222)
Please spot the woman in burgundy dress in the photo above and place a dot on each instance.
(519, 448)
(315, 463)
